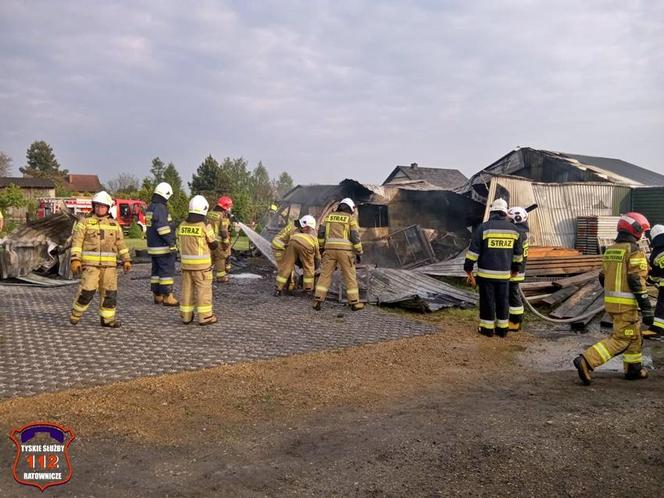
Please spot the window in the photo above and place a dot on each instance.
(372, 216)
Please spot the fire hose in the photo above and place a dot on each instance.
(587, 314)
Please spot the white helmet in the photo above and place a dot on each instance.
(308, 221)
(102, 198)
(655, 231)
(499, 205)
(198, 205)
(164, 189)
(518, 215)
(348, 202)
(113, 212)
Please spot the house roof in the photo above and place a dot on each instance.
(83, 183)
(26, 182)
(441, 177)
(621, 168)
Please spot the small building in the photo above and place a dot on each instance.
(440, 177)
(83, 184)
(32, 188)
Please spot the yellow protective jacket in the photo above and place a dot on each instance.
(624, 272)
(281, 240)
(98, 241)
(220, 221)
(194, 241)
(308, 241)
(340, 230)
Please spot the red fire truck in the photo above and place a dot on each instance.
(125, 211)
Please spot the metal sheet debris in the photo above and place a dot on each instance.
(38, 246)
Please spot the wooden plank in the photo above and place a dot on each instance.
(560, 295)
(582, 324)
(563, 271)
(576, 304)
(535, 286)
(577, 279)
(537, 299)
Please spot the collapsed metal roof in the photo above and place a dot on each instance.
(558, 167)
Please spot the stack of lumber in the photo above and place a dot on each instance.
(568, 297)
(562, 265)
(594, 231)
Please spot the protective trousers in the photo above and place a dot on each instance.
(222, 262)
(345, 260)
(515, 304)
(97, 277)
(163, 271)
(305, 255)
(658, 324)
(196, 295)
(494, 306)
(625, 339)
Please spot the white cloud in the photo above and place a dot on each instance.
(329, 89)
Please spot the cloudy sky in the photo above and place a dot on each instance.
(330, 89)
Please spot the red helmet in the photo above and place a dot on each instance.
(225, 202)
(634, 224)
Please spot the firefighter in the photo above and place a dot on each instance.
(656, 277)
(197, 242)
(220, 220)
(339, 237)
(97, 241)
(518, 216)
(496, 246)
(303, 248)
(161, 246)
(623, 276)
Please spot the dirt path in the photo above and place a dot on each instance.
(440, 415)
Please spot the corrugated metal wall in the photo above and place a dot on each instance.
(650, 202)
(553, 223)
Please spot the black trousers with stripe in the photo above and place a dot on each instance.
(494, 304)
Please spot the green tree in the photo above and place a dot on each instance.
(157, 169)
(5, 164)
(41, 162)
(206, 178)
(262, 192)
(283, 184)
(12, 196)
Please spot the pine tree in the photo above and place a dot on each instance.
(41, 162)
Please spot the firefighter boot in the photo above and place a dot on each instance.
(114, 324)
(158, 298)
(583, 369)
(357, 306)
(277, 292)
(74, 320)
(633, 371)
(513, 327)
(170, 300)
(317, 305)
(209, 321)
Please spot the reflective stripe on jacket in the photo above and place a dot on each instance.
(98, 241)
(620, 262)
(193, 243)
(497, 248)
(340, 230)
(159, 233)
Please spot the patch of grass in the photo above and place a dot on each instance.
(451, 315)
(136, 244)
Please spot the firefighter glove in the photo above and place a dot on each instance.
(648, 317)
(126, 266)
(644, 303)
(470, 279)
(76, 267)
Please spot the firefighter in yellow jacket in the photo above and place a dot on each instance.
(220, 220)
(302, 248)
(280, 244)
(96, 244)
(339, 237)
(196, 241)
(624, 273)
